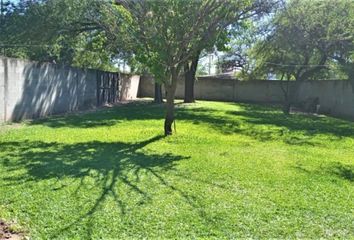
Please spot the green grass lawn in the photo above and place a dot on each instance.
(231, 171)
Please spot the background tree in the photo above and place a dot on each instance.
(167, 34)
(244, 36)
(190, 68)
(72, 32)
(221, 42)
(306, 40)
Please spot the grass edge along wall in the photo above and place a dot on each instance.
(336, 97)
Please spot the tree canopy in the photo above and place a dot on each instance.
(307, 39)
(70, 32)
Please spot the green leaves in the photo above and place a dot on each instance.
(166, 34)
(308, 39)
(74, 32)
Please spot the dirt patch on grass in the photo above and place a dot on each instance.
(7, 233)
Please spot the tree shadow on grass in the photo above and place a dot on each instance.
(263, 123)
(310, 124)
(268, 124)
(108, 163)
(337, 169)
(257, 121)
(105, 117)
(343, 171)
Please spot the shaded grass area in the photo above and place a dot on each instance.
(231, 171)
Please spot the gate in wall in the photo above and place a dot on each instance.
(108, 86)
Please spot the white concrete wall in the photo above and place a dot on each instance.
(37, 90)
(336, 96)
(31, 90)
(129, 87)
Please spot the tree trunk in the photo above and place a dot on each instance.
(158, 93)
(285, 89)
(170, 117)
(170, 106)
(286, 107)
(190, 71)
(303, 75)
(295, 91)
(188, 86)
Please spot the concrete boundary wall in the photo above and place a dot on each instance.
(31, 90)
(336, 97)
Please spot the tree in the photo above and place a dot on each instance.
(304, 40)
(6, 8)
(221, 42)
(7, 11)
(69, 32)
(190, 70)
(243, 38)
(167, 34)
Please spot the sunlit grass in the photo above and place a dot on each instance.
(231, 171)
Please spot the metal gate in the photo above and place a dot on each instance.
(107, 88)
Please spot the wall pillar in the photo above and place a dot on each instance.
(3, 88)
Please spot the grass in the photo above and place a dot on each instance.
(231, 171)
